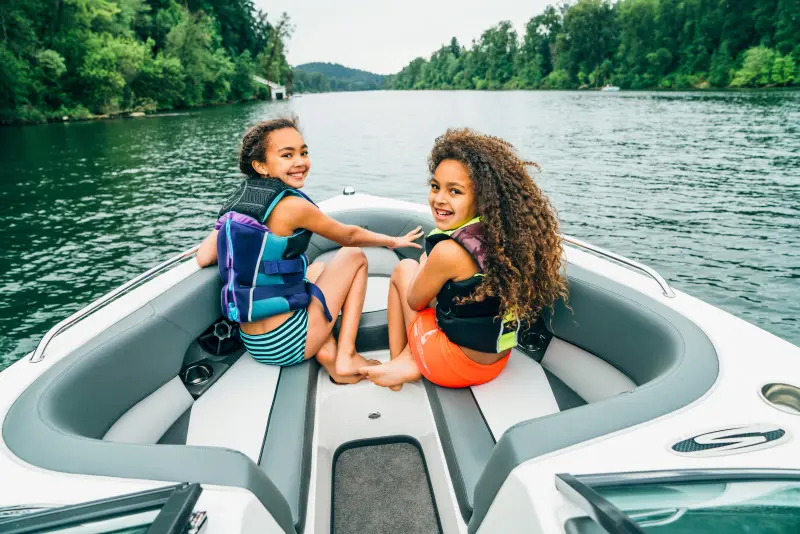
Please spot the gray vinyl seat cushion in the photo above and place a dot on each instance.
(382, 261)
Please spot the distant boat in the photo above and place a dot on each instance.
(610, 87)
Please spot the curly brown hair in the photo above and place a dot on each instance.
(524, 265)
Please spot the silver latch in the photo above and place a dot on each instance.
(349, 190)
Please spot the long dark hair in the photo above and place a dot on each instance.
(524, 265)
(255, 141)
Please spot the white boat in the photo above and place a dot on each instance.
(636, 409)
(609, 87)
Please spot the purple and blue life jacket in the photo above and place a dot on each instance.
(263, 274)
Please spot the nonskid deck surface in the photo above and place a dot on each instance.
(382, 489)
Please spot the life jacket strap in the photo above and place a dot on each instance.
(285, 290)
(295, 265)
(278, 290)
(317, 293)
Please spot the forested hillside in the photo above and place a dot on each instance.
(636, 44)
(77, 58)
(323, 77)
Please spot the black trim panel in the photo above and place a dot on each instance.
(373, 331)
(583, 525)
(565, 396)
(177, 433)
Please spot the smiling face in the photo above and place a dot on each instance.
(452, 196)
(286, 158)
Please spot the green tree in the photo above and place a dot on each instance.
(756, 69)
(722, 67)
(787, 27)
(591, 35)
(191, 42)
(242, 86)
(160, 84)
(535, 57)
(634, 43)
(273, 60)
(783, 70)
(109, 67)
(70, 57)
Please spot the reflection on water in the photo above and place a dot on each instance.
(703, 187)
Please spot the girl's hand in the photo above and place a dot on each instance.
(297, 212)
(408, 239)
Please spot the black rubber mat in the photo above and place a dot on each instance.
(382, 489)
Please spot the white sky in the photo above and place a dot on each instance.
(383, 36)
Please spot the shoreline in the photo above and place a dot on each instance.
(121, 115)
(133, 114)
(795, 88)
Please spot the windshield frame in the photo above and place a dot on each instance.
(607, 480)
(173, 506)
(582, 489)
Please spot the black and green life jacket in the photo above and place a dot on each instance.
(473, 325)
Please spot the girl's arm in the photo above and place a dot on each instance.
(306, 215)
(207, 253)
(445, 263)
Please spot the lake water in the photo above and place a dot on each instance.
(704, 187)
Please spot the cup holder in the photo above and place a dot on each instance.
(784, 397)
(197, 374)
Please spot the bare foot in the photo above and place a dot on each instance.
(350, 379)
(341, 380)
(326, 356)
(395, 373)
(349, 364)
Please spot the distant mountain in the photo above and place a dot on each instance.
(324, 77)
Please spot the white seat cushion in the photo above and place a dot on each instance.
(521, 392)
(149, 418)
(234, 412)
(590, 377)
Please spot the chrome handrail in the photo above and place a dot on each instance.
(38, 354)
(665, 288)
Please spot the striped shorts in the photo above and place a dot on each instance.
(286, 345)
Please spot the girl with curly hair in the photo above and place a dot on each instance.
(493, 262)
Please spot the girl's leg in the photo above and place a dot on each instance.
(402, 368)
(400, 316)
(343, 281)
(348, 362)
(326, 355)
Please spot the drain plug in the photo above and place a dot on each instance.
(374, 415)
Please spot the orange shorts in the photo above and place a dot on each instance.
(443, 362)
